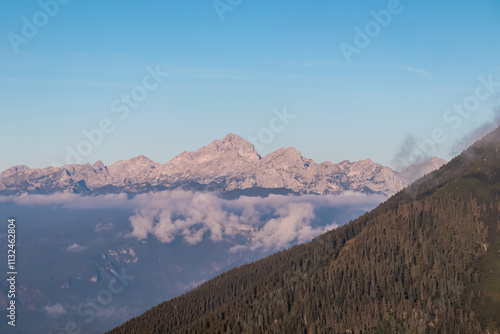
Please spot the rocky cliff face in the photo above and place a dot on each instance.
(228, 164)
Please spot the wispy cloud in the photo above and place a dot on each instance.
(311, 63)
(417, 70)
(103, 227)
(476, 134)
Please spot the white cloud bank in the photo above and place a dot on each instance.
(75, 248)
(55, 310)
(265, 223)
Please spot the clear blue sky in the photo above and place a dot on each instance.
(228, 76)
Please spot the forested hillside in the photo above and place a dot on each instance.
(425, 261)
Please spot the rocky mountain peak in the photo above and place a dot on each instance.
(232, 146)
(231, 142)
(437, 160)
(99, 165)
(417, 170)
(143, 160)
(291, 153)
(364, 163)
(17, 169)
(232, 139)
(231, 162)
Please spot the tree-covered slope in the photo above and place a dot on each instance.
(425, 261)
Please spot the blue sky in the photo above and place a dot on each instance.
(229, 75)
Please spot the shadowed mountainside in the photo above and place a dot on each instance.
(425, 261)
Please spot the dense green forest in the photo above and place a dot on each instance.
(425, 261)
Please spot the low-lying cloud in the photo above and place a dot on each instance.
(266, 223)
(75, 248)
(103, 227)
(55, 310)
(254, 223)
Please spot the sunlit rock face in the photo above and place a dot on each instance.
(228, 164)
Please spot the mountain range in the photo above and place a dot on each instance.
(427, 260)
(231, 164)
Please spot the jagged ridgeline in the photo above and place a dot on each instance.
(231, 165)
(425, 261)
